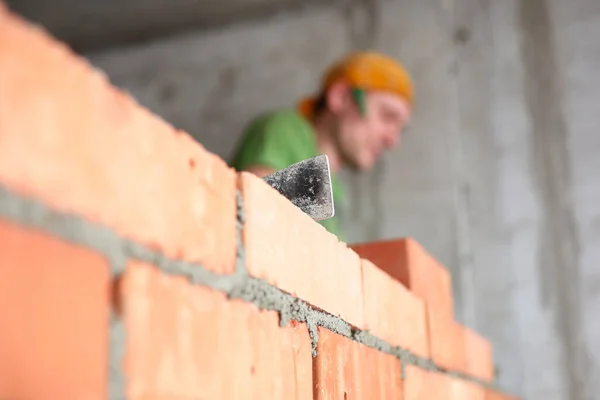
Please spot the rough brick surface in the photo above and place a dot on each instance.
(446, 341)
(73, 142)
(464, 390)
(348, 370)
(392, 312)
(70, 139)
(409, 263)
(425, 385)
(290, 250)
(183, 340)
(479, 358)
(54, 302)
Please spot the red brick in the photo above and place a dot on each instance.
(392, 312)
(73, 141)
(288, 249)
(464, 390)
(425, 385)
(480, 363)
(348, 370)
(54, 302)
(410, 264)
(495, 395)
(187, 341)
(446, 341)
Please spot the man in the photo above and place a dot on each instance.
(364, 101)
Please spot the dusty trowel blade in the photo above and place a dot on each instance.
(307, 185)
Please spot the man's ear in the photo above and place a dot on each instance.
(338, 97)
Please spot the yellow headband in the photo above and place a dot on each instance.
(367, 71)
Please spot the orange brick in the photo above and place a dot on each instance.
(410, 264)
(54, 302)
(348, 370)
(495, 395)
(479, 359)
(288, 249)
(183, 340)
(392, 312)
(464, 390)
(425, 385)
(73, 141)
(446, 341)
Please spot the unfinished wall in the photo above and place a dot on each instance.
(496, 177)
(135, 264)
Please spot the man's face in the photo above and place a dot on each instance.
(362, 139)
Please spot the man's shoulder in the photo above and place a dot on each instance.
(279, 118)
(282, 127)
(275, 139)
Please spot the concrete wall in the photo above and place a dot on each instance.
(577, 41)
(497, 176)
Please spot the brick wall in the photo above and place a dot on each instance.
(136, 265)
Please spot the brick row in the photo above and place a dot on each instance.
(181, 340)
(397, 291)
(55, 307)
(392, 312)
(189, 342)
(420, 384)
(405, 299)
(348, 370)
(288, 249)
(70, 139)
(451, 345)
(406, 261)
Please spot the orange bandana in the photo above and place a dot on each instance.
(367, 71)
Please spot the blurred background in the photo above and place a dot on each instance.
(498, 175)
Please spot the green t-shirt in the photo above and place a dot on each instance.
(278, 140)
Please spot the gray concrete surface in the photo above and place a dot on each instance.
(498, 176)
(91, 25)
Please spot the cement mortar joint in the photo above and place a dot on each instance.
(239, 285)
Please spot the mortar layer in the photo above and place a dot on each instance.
(240, 285)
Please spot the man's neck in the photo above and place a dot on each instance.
(326, 142)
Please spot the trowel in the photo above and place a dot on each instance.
(307, 184)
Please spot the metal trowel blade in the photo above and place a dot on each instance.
(307, 184)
